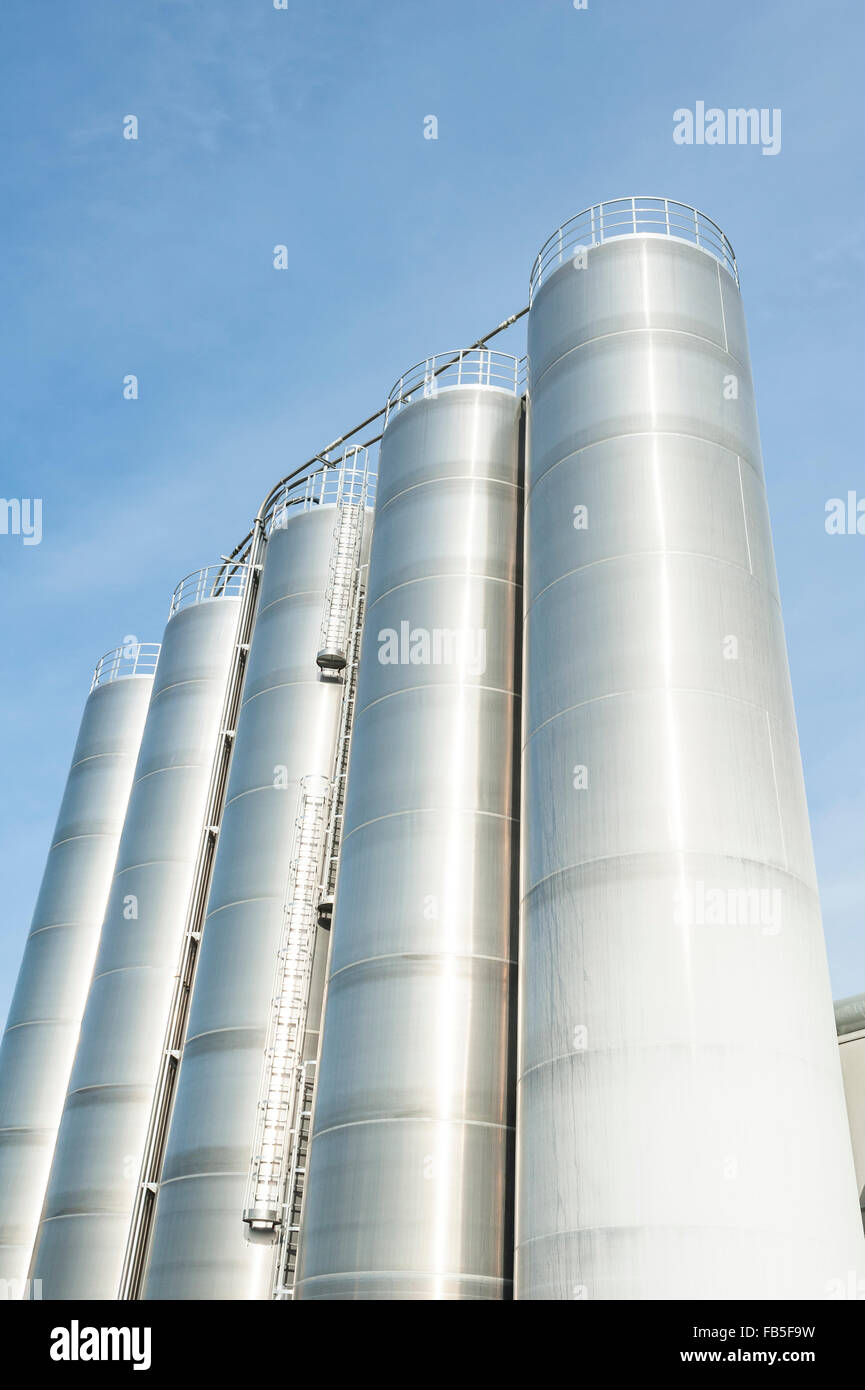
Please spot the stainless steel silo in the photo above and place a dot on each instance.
(286, 745)
(410, 1167)
(850, 1022)
(45, 1015)
(681, 1131)
(82, 1237)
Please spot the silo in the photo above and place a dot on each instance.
(283, 758)
(850, 1022)
(681, 1131)
(410, 1165)
(82, 1238)
(45, 1016)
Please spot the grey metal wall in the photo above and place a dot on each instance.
(45, 1015)
(82, 1238)
(410, 1162)
(286, 730)
(850, 1021)
(680, 1130)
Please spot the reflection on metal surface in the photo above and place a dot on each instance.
(45, 1016)
(82, 1238)
(680, 1119)
(408, 1190)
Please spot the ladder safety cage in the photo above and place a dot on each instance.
(299, 1135)
(351, 501)
(283, 1056)
(343, 746)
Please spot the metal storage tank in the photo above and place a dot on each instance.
(286, 735)
(409, 1186)
(681, 1129)
(82, 1237)
(45, 1015)
(850, 1022)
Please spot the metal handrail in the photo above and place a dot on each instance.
(211, 582)
(132, 659)
(351, 479)
(459, 367)
(641, 215)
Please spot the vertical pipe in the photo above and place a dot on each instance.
(681, 1131)
(82, 1239)
(410, 1166)
(45, 1016)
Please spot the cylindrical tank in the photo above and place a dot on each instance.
(82, 1237)
(681, 1129)
(286, 731)
(850, 1022)
(409, 1181)
(45, 1016)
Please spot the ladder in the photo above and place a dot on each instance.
(283, 1058)
(286, 1266)
(343, 745)
(289, 1232)
(344, 560)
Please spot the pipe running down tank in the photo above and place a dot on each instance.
(681, 1130)
(45, 1016)
(409, 1182)
(286, 733)
(80, 1247)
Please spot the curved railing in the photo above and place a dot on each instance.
(460, 367)
(637, 216)
(349, 480)
(132, 659)
(212, 582)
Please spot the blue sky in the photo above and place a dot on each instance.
(305, 127)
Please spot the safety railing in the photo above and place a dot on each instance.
(460, 367)
(212, 582)
(349, 480)
(637, 216)
(132, 659)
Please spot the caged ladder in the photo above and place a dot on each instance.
(351, 504)
(283, 1058)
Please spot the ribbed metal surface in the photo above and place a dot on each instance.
(286, 731)
(850, 1021)
(80, 1246)
(410, 1163)
(45, 1015)
(680, 1130)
